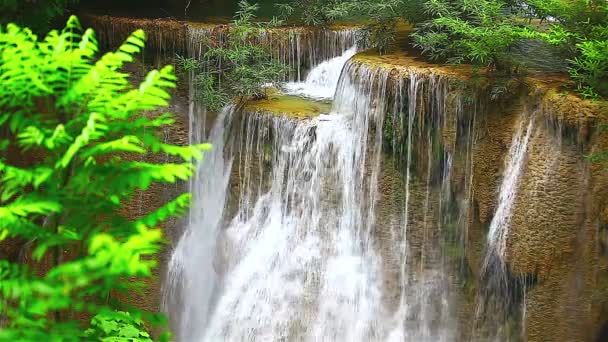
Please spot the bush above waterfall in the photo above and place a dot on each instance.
(236, 68)
(462, 32)
(581, 30)
(483, 32)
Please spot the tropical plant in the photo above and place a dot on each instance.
(481, 32)
(580, 27)
(72, 146)
(311, 12)
(379, 18)
(590, 68)
(238, 67)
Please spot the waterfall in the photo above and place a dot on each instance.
(368, 223)
(501, 222)
(301, 49)
(499, 291)
(322, 81)
(192, 270)
(297, 253)
(295, 267)
(199, 36)
(305, 242)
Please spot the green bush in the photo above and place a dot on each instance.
(237, 68)
(311, 12)
(73, 137)
(590, 68)
(581, 28)
(480, 32)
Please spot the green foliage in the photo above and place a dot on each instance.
(480, 32)
(312, 12)
(590, 68)
(117, 326)
(580, 18)
(484, 31)
(238, 67)
(36, 14)
(581, 28)
(380, 17)
(74, 135)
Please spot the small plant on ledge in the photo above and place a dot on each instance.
(236, 68)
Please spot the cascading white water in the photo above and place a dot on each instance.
(424, 309)
(296, 267)
(322, 81)
(300, 49)
(303, 49)
(298, 257)
(192, 271)
(498, 292)
(501, 222)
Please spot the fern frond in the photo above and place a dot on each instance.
(128, 143)
(92, 131)
(175, 208)
(84, 120)
(14, 179)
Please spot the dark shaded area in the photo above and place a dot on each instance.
(198, 10)
(603, 336)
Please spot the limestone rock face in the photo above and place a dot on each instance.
(557, 235)
(549, 236)
(554, 228)
(556, 218)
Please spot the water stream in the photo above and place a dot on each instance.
(501, 292)
(301, 49)
(514, 166)
(322, 81)
(308, 230)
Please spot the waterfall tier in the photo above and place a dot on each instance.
(301, 48)
(373, 222)
(306, 247)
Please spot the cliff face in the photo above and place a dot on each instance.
(557, 219)
(555, 237)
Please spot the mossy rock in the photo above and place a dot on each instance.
(288, 105)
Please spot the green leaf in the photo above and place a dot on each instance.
(85, 124)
